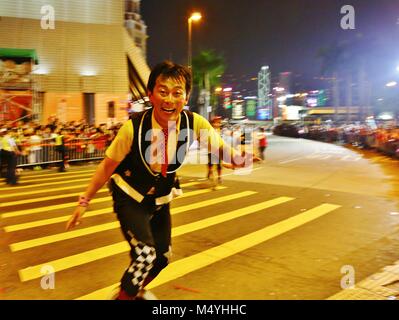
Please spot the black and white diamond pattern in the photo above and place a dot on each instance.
(143, 263)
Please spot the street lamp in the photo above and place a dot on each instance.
(196, 16)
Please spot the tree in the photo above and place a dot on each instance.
(208, 67)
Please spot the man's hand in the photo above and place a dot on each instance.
(245, 160)
(256, 158)
(76, 218)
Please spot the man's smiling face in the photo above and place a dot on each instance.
(168, 99)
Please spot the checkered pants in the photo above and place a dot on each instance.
(147, 228)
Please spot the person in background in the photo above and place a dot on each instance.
(60, 147)
(2, 162)
(262, 142)
(213, 159)
(35, 156)
(9, 152)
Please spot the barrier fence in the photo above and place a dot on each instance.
(46, 152)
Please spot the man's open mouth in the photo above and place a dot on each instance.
(168, 110)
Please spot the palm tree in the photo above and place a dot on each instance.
(208, 67)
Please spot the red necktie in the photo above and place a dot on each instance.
(164, 168)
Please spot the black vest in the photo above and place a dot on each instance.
(136, 171)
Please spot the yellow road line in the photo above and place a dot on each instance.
(39, 179)
(25, 201)
(73, 204)
(63, 236)
(211, 202)
(189, 184)
(51, 208)
(34, 272)
(40, 223)
(18, 246)
(54, 173)
(92, 255)
(205, 258)
(9, 195)
(204, 223)
(40, 199)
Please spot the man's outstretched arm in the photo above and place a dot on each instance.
(100, 177)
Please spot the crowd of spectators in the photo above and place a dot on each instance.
(36, 141)
(383, 138)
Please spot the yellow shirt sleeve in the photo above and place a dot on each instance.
(122, 143)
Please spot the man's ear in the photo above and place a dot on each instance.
(187, 99)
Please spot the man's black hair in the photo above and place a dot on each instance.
(172, 70)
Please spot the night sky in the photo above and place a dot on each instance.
(284, 34)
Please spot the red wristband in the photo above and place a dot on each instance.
(83, 201)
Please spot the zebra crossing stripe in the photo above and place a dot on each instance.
(62, 236)
(39, 179)
(204, 223)
(23, 193)
(53, 207)
(40, 223)
(205, 258)
(34, 272)
(45, 222)
(70, 204)
(18, 246)
(210, 202)
(26, 193)
(41, 199)
(210, 256)
(54, 173)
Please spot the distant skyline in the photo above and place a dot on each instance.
(284, 34)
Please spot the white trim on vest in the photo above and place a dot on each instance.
(174, 193)
(127, 188)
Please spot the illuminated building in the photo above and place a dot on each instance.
(88, 63)
(135, 25)
(264, 101)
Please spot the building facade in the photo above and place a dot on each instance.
(87, 66)
(135, 25)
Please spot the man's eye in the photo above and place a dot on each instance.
(178, 94)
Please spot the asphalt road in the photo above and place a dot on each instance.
(286, 229)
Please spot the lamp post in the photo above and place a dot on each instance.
(196, 16)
